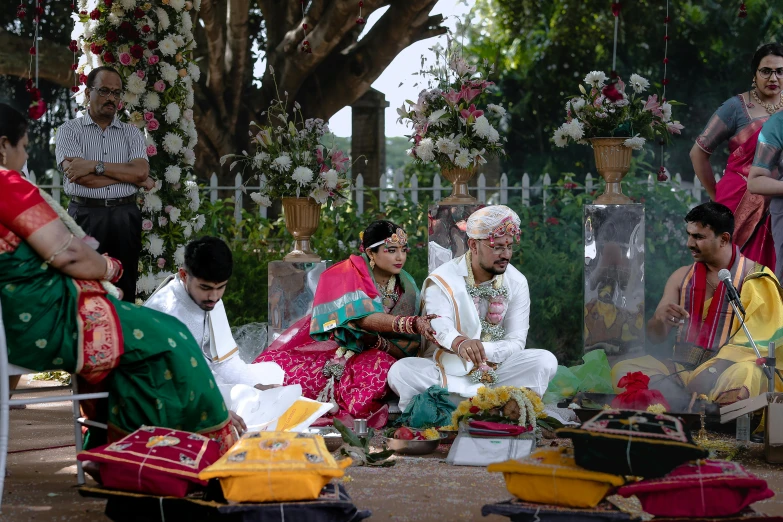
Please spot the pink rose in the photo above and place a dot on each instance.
(153, 124)
(149, 116)
(152, 150)
(160, 86)
(125, 59)
(168, 209)
(161, 262)
(152, 60)
(146, 224)
(162, 220)
(140, 74)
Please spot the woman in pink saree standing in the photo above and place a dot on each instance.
(365, 317)
(739, 120)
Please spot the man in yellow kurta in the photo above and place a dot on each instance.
(712, 355)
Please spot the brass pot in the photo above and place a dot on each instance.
(459, 179)
(302, 216)
(612, 161)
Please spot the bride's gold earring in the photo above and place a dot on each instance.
(4, 158)
(372, 263)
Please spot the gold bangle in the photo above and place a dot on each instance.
(63, 249)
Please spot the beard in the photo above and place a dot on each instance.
(496, 268)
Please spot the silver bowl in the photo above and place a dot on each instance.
(331, 436)
(413, 447)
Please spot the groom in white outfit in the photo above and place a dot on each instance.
(483, 304)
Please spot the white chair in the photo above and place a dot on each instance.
(7, 370)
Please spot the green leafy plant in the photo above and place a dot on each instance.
(358, 448)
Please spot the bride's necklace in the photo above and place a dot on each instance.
(771, 109)
(388, 292)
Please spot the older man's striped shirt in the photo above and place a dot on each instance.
(83, 138)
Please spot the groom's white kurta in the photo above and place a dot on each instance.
(445, 294)
(213, 335)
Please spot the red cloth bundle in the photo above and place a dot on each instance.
(636, 395)
(498, 429)
(706, 488)
(160, 461)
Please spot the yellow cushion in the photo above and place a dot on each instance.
(550, 476)
(275, 466)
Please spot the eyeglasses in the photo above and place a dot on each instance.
(103, 92)
(498, 250)
(766, 72)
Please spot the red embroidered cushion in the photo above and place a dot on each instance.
(159, 461)
(706, 488)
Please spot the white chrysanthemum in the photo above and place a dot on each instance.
(482, 127)
(434, 118)
(187, 23)
(187, 231)
(199, 222)
(282, 163)
(130, 99)
(148, 139)
(114, 19)
(494, 135)
(177, 5)
(178, 40)
(302, 175)
(188, 114)
(261, 199)
(189, 156)
(167, 47)
(320, 195)
(331, 178)
(146, 284)
(560, 138)
(135, 85)
(196, 4)
(595, 79)
(574, 129)
(446, 146)
(497, 109)
(172, 143)
(128, 5)
(163, 19)
(189, 99)
(194, 71)
(259, 159)
(173, 174)
(666, 110)
(635, 143)
(172, 112)
(195, 202)
(639, 84)
(425, 150)
(179, 255)
(151, 101)
(168, 72)
(152, 202)
(175, 214)
(577, 103)
(462, 159)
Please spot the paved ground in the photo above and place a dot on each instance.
(42, 483)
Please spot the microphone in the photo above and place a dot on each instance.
(725, 276)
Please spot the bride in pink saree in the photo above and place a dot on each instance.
(365, 317)
(739, 121)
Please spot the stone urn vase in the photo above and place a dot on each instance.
(459, 179)
(302, 217)
(612, 161)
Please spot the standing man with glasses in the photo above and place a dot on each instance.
(104, 162)
(483, 308)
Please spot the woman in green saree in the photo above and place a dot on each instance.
(58, 314)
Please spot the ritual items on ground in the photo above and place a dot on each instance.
(406, 441)
(504, 404)
(521, 511)
(637, 395)
(594, 376)
(159, 461)
(772, 404)
(705, 488)
(551, 476)
(275, 467)
(628, 442)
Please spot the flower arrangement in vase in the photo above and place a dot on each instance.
(615, 123)
(449, 128)
(290, 162)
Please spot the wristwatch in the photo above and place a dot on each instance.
(99, 169)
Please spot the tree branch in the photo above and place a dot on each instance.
(52, 59)
(239, 58)
(345, 77)
(213, 13)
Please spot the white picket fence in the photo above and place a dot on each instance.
(394, 186)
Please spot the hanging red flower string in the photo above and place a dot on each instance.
(743, 11)
(663, 172)
(305, 48)
(37, 106)
(360, 20)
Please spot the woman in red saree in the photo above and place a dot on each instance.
(365, 317)
(58, 315)
(739, 120)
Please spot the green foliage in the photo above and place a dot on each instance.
(358, 448)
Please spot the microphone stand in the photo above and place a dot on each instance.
(769, 373)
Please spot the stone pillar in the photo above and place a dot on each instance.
(614, 280)
(368, 136)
